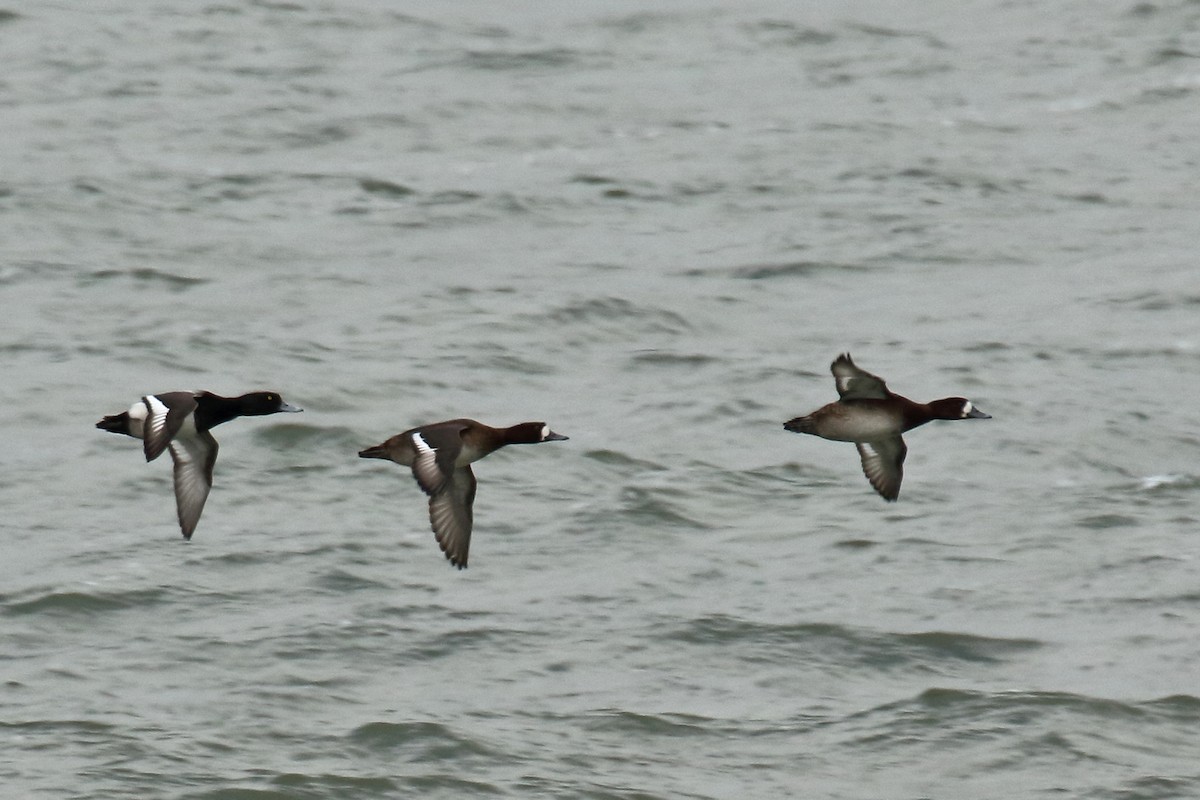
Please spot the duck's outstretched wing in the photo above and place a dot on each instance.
(883, 464)
(451, 515)
(436, 448)
(165, 414)
(194, 457)
(856, 384)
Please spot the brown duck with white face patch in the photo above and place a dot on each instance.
(440, 455)
(871, 416)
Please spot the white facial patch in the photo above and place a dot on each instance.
(967, 409)
(545, 432)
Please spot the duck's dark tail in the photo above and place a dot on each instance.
(118, 423)
(800, 425)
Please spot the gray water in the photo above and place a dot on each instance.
(652, 229)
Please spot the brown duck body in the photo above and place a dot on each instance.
(873, 417)
(440, 456)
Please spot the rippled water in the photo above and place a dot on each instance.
(653, 229)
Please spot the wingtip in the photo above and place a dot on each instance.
(444, 545)
(883, 491)
(455, 561)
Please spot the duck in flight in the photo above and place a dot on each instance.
(440, 455)
(873, 417)
(180, 422)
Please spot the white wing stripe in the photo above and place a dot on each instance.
(156, 418)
